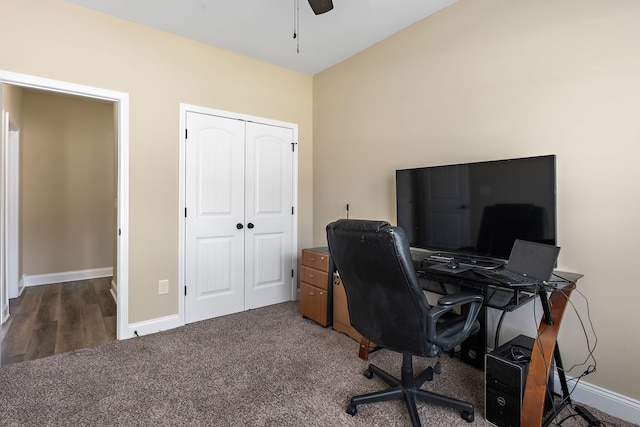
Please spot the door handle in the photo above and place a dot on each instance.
(239, 226)
(250, 225)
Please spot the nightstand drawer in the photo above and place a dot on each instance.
(314, 303)
(314, 277)
(315, 260)
(316, 290)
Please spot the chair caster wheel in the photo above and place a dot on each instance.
(368, 373)
(429, 374)
(467, 416)
(351, 410)
(437, 368)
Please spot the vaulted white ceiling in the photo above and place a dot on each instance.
(264, 29)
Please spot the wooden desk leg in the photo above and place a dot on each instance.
(542, 357)
(364, 348)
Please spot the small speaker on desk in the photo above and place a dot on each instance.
(506, 371)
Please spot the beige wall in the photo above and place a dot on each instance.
(67, 170)
(495, 79)
(57, 40)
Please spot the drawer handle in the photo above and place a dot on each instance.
(311, 293)
(313, 259)
(311, 276)
(321, 293)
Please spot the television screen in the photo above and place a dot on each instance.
(478, 209)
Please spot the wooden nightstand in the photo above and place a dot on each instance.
(316, 275)
(341, 320)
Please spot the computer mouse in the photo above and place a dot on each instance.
(453, 264)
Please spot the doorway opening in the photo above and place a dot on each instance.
(121, 114)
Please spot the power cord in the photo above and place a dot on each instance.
(581, 410)
(584, 413)
(590, 368)
(568, 417)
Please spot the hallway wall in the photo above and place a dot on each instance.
(67, 172)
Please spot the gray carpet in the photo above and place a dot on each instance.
(264, 367)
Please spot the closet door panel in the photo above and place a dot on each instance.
(215, 206)
(268, 212)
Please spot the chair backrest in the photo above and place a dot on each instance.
(386, 303)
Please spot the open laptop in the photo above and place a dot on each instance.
(530, 263)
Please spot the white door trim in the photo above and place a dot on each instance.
(12, 176)
(122, 101)
(184, 108)
(4, 300)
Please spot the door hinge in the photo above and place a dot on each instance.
(292, 273)
(292, 210)
(119, 232)
(186, 133)
(293, 146)
(185, 212)
(185, 291)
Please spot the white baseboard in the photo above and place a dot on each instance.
(67, 276)
(114, 291)
(21, 285)
(604, 400)
(154, 325)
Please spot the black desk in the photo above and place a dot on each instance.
(496, 295)
(504, 298)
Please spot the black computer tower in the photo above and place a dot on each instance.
(505, 379)
(473, 349)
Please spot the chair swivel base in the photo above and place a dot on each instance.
(407, 388)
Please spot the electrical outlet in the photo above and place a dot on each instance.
(163, 287)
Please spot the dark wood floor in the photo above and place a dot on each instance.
(57, 318)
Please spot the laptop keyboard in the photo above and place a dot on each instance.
(512, 278)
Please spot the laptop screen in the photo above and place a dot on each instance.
(533, 259)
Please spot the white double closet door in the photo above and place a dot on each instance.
(239, 217)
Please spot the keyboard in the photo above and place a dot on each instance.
(508, 277)
(482, 263)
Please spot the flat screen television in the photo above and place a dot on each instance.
(478, 209)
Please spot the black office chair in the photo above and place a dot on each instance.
(388, 307)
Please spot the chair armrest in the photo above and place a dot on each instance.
(450, 333)
(459, 299)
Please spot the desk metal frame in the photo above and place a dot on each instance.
(553, 305)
